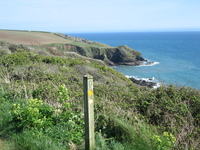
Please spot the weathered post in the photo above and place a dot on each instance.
(89, 112)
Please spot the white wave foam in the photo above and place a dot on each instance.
(154, 63)
(145, 79)
(158, 84)
(149, 64)
(133, 77)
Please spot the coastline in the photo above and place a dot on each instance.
(177, 53)
(148, 82)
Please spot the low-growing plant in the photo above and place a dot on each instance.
(36, 140)
(103, 143)
(71, 120)
(164, 142)
(32, 113)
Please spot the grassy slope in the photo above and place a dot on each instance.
(145, 112)
(30, 37)
(40, 38)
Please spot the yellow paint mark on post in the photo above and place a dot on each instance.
(90, 92)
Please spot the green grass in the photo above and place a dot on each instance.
(35, 140)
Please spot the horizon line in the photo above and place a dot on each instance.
(116, 31)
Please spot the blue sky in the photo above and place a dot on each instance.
(100, 15)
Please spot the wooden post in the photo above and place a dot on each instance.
(89, 112)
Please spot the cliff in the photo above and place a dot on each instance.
(57, 43)
(121, 55)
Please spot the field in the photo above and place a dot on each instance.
(31, 37)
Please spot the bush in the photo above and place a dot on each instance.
(32, 113)
(33, 121)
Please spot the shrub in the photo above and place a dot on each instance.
(32, 113)
(19, 58)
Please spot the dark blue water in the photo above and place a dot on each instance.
(178, 54)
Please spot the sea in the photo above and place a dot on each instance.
(176, 55)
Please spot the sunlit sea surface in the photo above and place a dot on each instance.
(177, 54)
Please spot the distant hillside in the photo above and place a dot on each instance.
(54, 42)
(30, 37)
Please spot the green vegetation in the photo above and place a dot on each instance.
(110, 55)
(41, 105)
(58, 44)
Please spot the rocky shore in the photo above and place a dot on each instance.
(143, 82)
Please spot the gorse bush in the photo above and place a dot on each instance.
(171, 109)
(18, 58)
(138, 136)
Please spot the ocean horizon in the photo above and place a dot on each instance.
(176, 55)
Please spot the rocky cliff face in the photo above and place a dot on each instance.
(121, 55)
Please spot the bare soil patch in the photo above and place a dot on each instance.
(30, 37)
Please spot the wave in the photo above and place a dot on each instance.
(144, 81)
(148, 64)
(158, 84)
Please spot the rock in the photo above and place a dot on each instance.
(143, 82)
